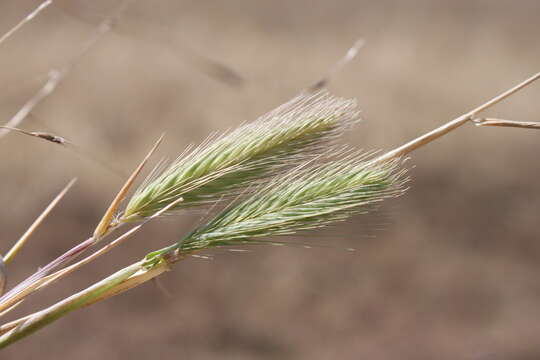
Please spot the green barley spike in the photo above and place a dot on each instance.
(302, 199)
(293, 133)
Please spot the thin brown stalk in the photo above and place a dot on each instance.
(28, 285)
(347, 58)
(158, 34)
(40, 134)
(138, 278)
(48, 280)
(3, 275)
(104, 225)
(11, 302)
(36, 280)
(454, 124)
(10, 255)
(76, 301)
(506, 123)
(56, 76)
(12, 324)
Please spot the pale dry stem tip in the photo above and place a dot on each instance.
(10, 325)
(24, 238)
(40, 134)
(105, 224)
(10, 303)
(9, 309)
(28, 18)
(348, 57)
(506, 123)
(3, 275)
(55, 77)
(454, 124)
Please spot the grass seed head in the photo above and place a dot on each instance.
(303, 199)
(286, 136)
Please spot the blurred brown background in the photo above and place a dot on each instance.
(449, 271)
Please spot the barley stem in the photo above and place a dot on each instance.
(454, 124)
(506, 123)
(76, 301)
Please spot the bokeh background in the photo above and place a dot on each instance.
(449, 271)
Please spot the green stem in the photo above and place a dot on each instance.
(76, 301)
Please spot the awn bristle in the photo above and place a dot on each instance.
(287, 136)
(302, 199)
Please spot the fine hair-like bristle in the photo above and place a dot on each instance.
(302, 199)
(294, 132)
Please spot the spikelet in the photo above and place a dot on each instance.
(304, 199)
(294, 132)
